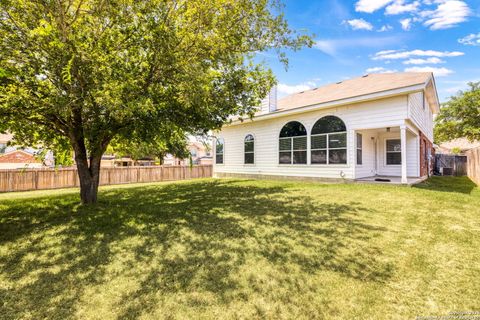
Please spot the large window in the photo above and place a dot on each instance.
(293, 144)
(219, 151)
(3, 146)
(359, 148)
(394, 152)
(249, 149)
(329, 141)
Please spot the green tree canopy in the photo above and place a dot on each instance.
(157, 147)
(460, 116)
(84, 72)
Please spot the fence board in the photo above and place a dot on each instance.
(473, 165)
(41, 179)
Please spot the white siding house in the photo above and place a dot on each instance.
(375, 125)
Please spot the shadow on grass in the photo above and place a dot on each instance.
(448, 184)
(172, 239)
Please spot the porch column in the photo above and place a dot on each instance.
(403, 145)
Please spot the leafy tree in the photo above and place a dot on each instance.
(90, 71)
(460, 116)
(157, 147)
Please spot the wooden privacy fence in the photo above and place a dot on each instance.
(39, 179)
(473, 165)
(457, 165)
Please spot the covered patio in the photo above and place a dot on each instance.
(388, 155)
(390, 180)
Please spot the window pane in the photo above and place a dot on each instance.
(337, 156)
(286, 144)
(394, 158)
(249, 146)
(249, 158)
(359, 156)
(219, 147)
(338, 140)
(319, 142)
(249, 137)
(300, 157)
(319, 156)
(219, 158)
(285, 157)
(293, 129)
(359, 141)
(328, 124)
(394, 145)
(300, 143)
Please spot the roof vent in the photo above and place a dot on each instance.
(365, 75)
(339, 82)
(314, 89)
(301, 91)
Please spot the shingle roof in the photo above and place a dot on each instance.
(372, 83)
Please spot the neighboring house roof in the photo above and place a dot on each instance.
(18, 156)
(461, 143)
(368, 84)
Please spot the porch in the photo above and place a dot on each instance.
(387, 155)
(390, 180)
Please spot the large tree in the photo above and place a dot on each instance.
(460, 116)
(84, 72)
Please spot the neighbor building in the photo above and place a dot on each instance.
(372, 126)
(14, 157)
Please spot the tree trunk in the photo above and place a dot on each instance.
(89, 175)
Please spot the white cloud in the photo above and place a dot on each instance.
(285, 89)
(370, 6)
(399, 6)
(379, 70)
(406, 24)
(432, 60)
(359, 24)
(471, 40)
(448, 14)
(333, 47)
(384, 28)
(438, 72)
(398, 54)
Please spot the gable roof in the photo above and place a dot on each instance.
(355, 87)
(18, 156)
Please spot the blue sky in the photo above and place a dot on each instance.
(365, 36)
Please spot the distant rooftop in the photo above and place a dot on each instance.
(367, 84)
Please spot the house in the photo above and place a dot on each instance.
(456, 146)
(13, 157)
(19, 159)
(363, 128)
(200, 153)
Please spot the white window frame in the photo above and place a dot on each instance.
(386, 152)
(292, 150)
(328, 148)
(252, 152)
(357, 135)
(222, 153)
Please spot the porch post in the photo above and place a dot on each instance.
(403, 144)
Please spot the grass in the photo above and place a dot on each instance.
(242, 249)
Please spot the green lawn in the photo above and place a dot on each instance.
(247, 249)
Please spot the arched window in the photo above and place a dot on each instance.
(249, 148)
(329, 141)
(219, 150)
(293, 144)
